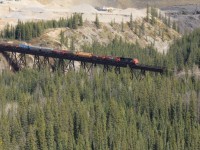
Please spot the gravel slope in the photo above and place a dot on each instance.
(188, 16)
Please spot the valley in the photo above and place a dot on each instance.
(99, 75)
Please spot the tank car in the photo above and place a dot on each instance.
(24, 46)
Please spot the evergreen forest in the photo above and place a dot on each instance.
(41, 110)
(26, 31)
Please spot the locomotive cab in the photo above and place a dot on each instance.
(135, 61)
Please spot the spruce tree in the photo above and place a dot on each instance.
(62, 38)
(169, 22)
(72, 46)
(41, 128)
(31, 139)
(143, 28)
(75, 21)
(148, 9)
(174, 25)
(111, 23)
(70, 23)
(97, 23)
(136, 28)
(131, 22)
(80, 20)
(122, 26)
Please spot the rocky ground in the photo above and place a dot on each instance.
(188, 16)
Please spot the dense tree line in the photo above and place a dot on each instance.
(28, 30)
(77, 111)
(185, 52)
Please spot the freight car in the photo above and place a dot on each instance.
(84, 54)
(24, 46)
(62, 51)
(66, 53)
(47, 48)
(35, 47)
(8, 45)
(112, 58)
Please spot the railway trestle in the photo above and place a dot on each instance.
(65, 61)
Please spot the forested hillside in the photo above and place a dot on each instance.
(26, 31)
(45, 110)
(186, 51)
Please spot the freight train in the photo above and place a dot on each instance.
(67, 53)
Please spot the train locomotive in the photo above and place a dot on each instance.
(134, 61)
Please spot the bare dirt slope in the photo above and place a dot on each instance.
(188, 16)
(122, 3)
(30, 10)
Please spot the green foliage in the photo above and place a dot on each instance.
(80, 20)
(186, 51)
(111, 23)
(174, 25)
(75, 22)
(122, 26)
(131, 22)
(147, 13)
(77, 111)
(121, 48)
(136, 28)
(165, 19)
(72, 45)
(97, 23)
(62, 38)
(28, 30)
(154, 15)
(169, 22)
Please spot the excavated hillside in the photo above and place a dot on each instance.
(122, 3)
(188, 16)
